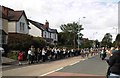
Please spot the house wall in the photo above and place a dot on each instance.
(0, 32)
(11, 26)
(23, 20)
(5, 25)
(54, 36)
(45, 34)
(34, 31)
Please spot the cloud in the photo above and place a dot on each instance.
(100, 14)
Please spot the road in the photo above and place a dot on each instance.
(75, 66)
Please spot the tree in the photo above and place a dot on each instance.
(117, 39)
(107, 40)
(72, 30)
(38, 42)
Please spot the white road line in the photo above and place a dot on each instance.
(74, 63)
(52, 71)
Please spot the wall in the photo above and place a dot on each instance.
(34, 31)
(5, 25)
(26, 30)
(11, 26)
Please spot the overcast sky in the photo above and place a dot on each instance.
(101, 15)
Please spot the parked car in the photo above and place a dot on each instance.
(2, 50)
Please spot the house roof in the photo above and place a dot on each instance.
(37, 24)
(52, 30)
(42, 26)
(12, 15)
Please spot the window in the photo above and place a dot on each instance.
(45, 34)
(0, 39)
(55, 36)
(21, 26)
(50, 35)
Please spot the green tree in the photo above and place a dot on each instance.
(107, 40)
(38, 42)
(72, 30)
(117, 39)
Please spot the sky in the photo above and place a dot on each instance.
(101, 15)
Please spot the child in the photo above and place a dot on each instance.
(20, 57)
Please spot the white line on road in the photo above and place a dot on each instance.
(52, 71)
(61, 68)
(74, 63)
(77, 62)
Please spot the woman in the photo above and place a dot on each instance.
(114, 63)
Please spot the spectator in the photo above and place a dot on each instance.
(29, 56)
(20, 57)
(43, 55)
(114, 63)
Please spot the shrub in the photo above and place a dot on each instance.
(38, 42)
(12, 55)
(19, 41)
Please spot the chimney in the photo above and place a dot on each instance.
(46, 24)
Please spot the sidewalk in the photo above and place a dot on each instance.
(7, 61)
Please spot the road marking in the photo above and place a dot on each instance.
(52, 71)
(74, 63)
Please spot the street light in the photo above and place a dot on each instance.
(116, 29)
(78, 33)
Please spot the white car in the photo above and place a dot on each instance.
(2, 50)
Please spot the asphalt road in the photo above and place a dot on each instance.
(39, 69)
(75, 66)
(93, 66)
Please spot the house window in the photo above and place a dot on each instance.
(50, 35)
(45, 34)
(55, 36)
(22, 26)
(0, 39)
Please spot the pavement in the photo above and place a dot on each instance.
(7, 61)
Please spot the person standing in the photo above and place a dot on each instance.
(29, 56)
(32, 54)
(114, 63)
(43, 55)
(38, 55)
(20, 57)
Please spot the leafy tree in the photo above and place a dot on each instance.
(38, 42)
(117, 39)
(107, 40)
(71, 31)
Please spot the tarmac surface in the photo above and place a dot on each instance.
(74, 67)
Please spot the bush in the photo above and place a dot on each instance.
(24, 41)
(19, 41)
(38, 42)
(12, 55)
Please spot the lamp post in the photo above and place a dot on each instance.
(116, 29)
(78, 33)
